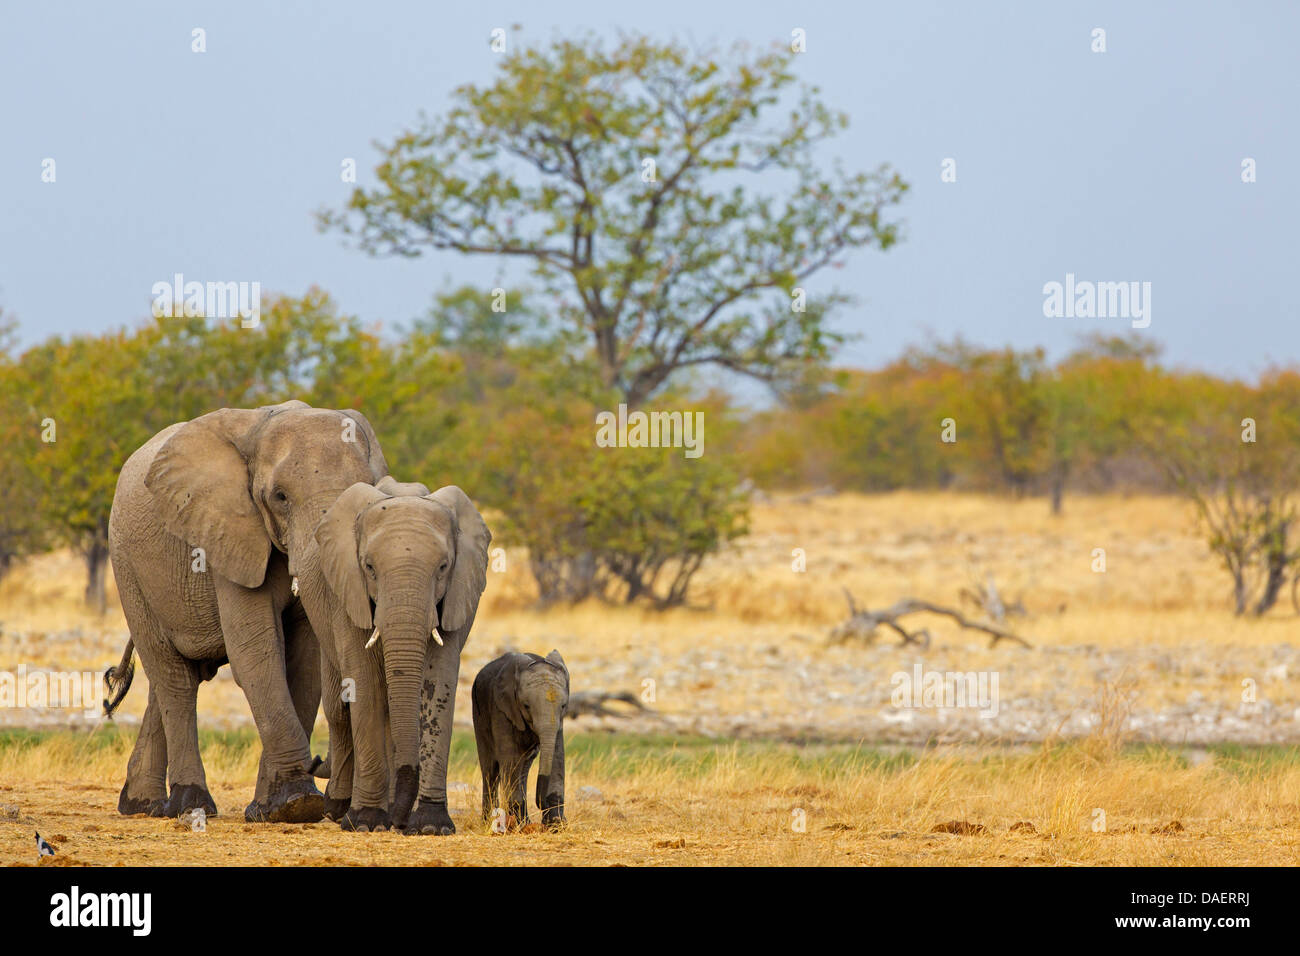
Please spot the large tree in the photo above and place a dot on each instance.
(672, 202)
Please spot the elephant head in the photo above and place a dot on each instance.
(237, 482)
(404, 566)
(541, 695)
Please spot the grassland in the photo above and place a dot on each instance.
(641, 800)
(1129, 705)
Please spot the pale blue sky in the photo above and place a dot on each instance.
(1116, 166)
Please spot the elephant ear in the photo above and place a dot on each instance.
(374, 454)
(199, 480)
(336, 533)
(402, 489)
(513, 691)
(469, 575)
(555, 658)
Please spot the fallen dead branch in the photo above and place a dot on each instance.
(864, 623)
(593, 702)
(985, 596)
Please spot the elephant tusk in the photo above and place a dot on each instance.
(294, 586)
(434, 634)
(373, 637)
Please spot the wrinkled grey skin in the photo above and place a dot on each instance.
(396, 559)
(519, 703)
(247, 487)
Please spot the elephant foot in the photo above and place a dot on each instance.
(189, 796)
(553, 817)
(404, 794)
(295, 801)
(429, 819)
(336, 808)
(129, 806)
(365, 820)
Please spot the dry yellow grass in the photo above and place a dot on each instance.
(726, 805)
(1157, 618)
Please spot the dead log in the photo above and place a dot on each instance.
(863, 623)
(593, 702)
(988, 599)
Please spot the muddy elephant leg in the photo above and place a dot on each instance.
(437, 712)
(145, 790)
(256, 647)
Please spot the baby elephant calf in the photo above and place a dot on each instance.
(519, 704)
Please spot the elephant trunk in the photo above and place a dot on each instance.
(300, 537)
(547, 726)
(404, 637)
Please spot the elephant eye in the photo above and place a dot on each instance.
(442, 568)
(370, 569)
(281, 496)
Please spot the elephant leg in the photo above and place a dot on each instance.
(256, 647)
(437, 712)
(303, 677)
(487, 764)
(174, 687)
(491, 786)
(517, 802)
(302, 666)
(338, 792)
(550, 792)
(369, 719)
(145, 790)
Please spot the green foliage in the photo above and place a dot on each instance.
(99, 398)
(504, 404)
(1234, 451)
(1021, 424)
(696, 266)
(494, 402)
(621, 523)
(21, 530)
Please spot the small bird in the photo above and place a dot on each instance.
(43, 848)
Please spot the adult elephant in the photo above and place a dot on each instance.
(208, 521)
(394, 590)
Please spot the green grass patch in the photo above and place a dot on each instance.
(689, 757)
(1254, 761)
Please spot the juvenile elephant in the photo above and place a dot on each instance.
(519, 702)
(403, 571)
(209, 521)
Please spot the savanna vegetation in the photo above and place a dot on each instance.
(634, 524)
(675, 223)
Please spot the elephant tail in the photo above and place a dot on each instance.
(117, 680)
